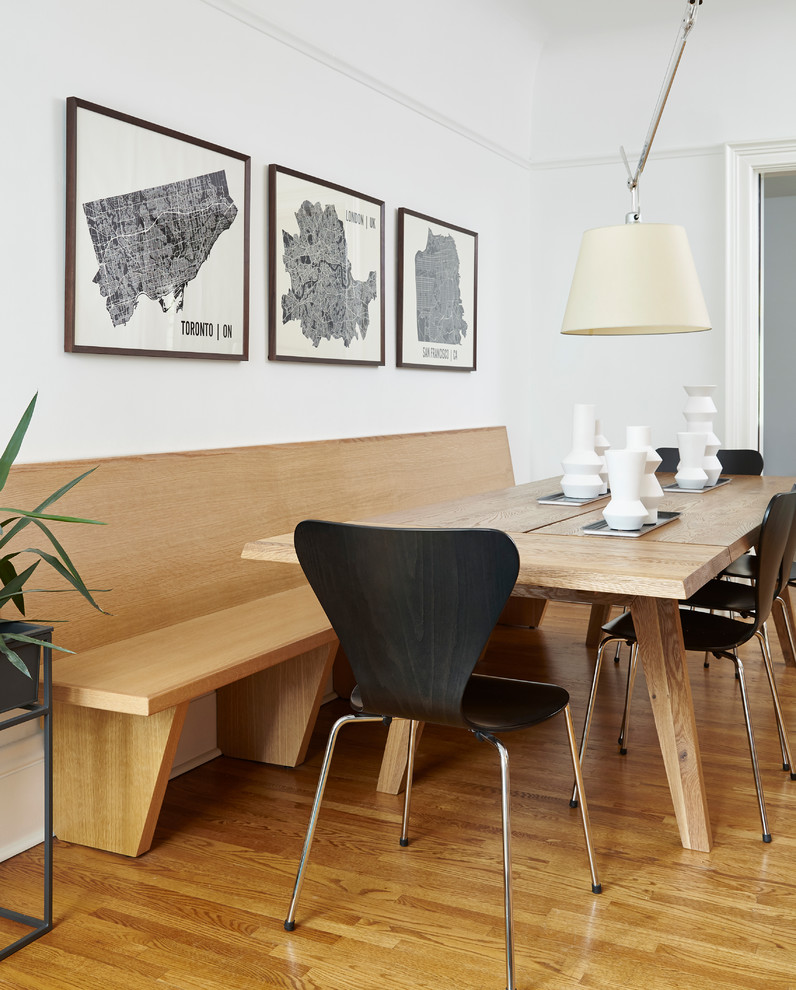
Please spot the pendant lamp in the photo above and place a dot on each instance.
(638, 278)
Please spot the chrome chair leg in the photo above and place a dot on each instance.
(596, 886)
(786, 619)
(787, 759)
(624, 731)
(584, 739)
(290, 922)
(410, 771)
(752, 750)
(505, 795)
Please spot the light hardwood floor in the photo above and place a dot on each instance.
(203, 909)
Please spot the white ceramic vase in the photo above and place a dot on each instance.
(625, 471)
(690, 473)
(582, 465)
(699, 412)
(600, 447)
(640, 438)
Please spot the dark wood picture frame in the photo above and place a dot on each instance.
(326, 271)
(437, 294)
(177, 287)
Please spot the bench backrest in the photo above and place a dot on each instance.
(177, 522)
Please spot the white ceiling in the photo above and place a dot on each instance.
(568, 17)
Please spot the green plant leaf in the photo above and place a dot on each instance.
(13, 581)
(9, 455)
(12, 589)
(28, 517)
(8, 574)
(22, 638)
(69, 575)
(41, 515)
(15, 660)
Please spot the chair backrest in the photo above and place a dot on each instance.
(738, 461)
(670, 458)
(413, 608)
(776, 545)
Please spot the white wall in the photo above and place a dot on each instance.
(736, 82)
(209, 74)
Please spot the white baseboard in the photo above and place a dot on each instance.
(194, 761)
(22, 770)
(22, 788)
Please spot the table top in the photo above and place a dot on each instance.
(559, 560)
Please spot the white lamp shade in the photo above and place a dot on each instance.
(635, 278)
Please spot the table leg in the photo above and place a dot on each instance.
(598, 616)
(662, 654)
(521, 611)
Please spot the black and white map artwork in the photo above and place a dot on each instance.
(329, 303)
(440, 314)
(152, 242)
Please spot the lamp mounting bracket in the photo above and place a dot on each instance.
(687, 23)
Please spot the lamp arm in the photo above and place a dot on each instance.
(689, 19)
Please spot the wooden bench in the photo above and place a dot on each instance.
(189, 616)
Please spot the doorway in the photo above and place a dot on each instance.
(748, 168)
(778, 322)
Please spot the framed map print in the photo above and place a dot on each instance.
(326, 271)
(437, 293)
(157, 240)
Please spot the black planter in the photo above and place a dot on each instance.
(17, 690)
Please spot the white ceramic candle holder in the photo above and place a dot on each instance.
(690, 473)
(582, 465)
(600, 447)
(625, 471)
(699, 412)
(640, 438)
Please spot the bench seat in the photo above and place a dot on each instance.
(144, 674)
(120, 709)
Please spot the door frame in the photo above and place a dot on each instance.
(744, 165)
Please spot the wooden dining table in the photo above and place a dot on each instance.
(559, 560)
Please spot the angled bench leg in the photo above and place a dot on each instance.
(269, 716)
(110, 773)
(396, 753)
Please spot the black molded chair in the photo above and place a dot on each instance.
(413, 610)
(720, 635)
(745, 568)
(738, 461)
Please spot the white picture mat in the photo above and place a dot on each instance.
(114, 158)
(414, 351)
(364, 254)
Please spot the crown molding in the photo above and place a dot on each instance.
(244, 15)
(590, 161)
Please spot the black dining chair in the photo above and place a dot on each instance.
(721, 636)
(733, 461)
(745, 568)
(413, 610)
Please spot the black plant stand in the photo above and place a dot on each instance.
(43, 711)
